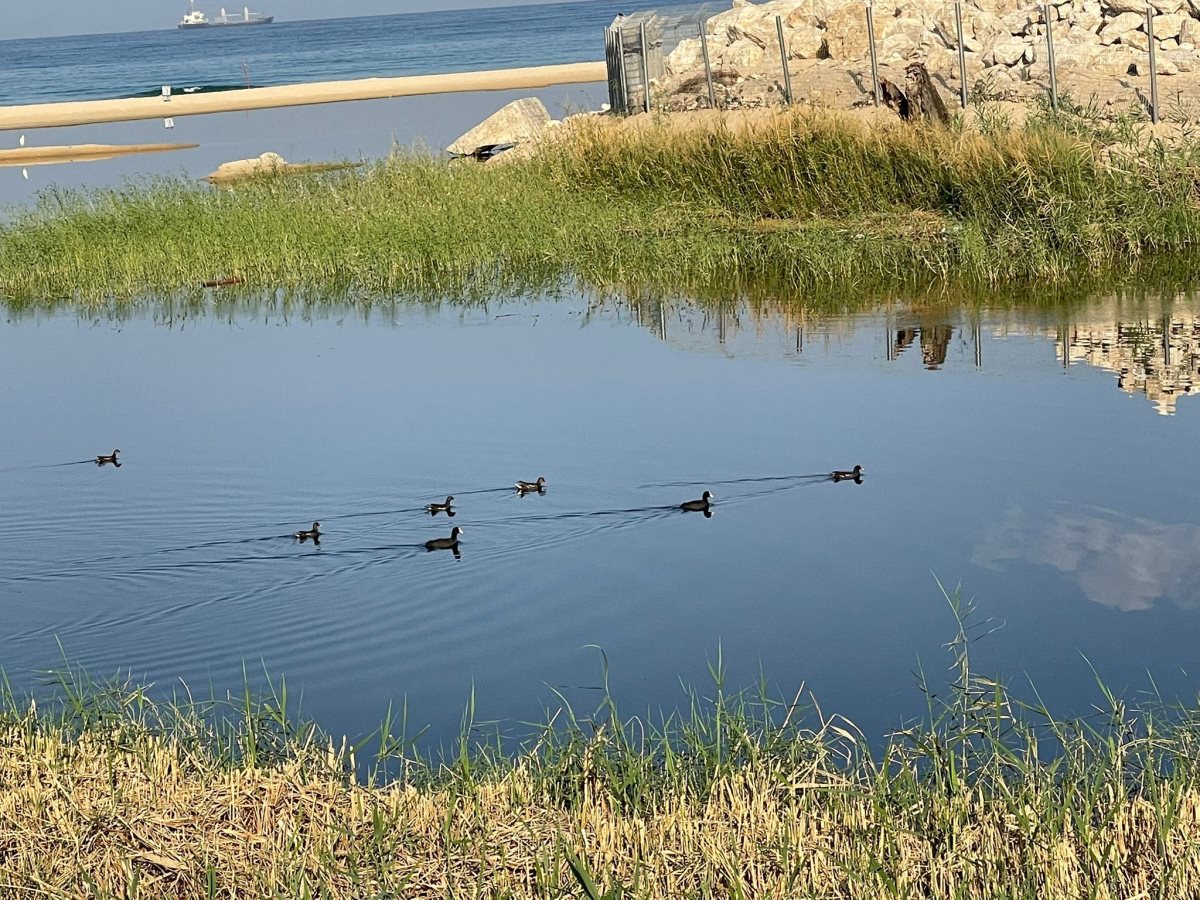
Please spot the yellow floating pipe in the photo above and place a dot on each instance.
(93, 112)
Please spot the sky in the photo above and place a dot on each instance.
(22, 19)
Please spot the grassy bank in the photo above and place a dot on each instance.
(805, 201)
(105, 794)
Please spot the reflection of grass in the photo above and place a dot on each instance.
(108, 794)
(801, 199)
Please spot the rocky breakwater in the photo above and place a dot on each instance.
(1101, 49)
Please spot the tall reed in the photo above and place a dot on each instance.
(811, 200)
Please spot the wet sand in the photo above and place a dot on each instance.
(90, 112)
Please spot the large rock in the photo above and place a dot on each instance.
(1118, 27)
(1009, 52)
(687, 55)
(743, 60)
(520, 121)
(1189, 32)
(1168, 25)
(846, 33)
(1183, 60)
(1116, 7)
(804, 41)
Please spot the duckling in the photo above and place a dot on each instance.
(109, 459)
(854, 474)
(701, 505)
(449, 543)
(434, 508)
(526, 487)
(315, 533)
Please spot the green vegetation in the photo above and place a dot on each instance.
(805, 201)
(107, 794)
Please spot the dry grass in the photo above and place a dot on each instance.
(94, 817)
(106, 794)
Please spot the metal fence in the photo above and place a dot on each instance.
(638, 46)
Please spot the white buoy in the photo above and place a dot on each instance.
(25, 174)
(21, 142)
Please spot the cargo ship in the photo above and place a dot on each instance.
(194, 18)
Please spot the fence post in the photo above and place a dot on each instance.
(712, 94)
(787, 75)
(1050, 55)
(610, 67)
(622, 79)
(1153, 65)
(645, 67)
(962, 55)
(874, 55)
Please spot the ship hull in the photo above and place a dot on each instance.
(265, 21)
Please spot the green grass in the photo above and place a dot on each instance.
(106, 793)
(805, 203)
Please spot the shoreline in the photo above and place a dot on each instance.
(96, 112)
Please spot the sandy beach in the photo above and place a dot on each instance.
(40, 156)
(90, 112)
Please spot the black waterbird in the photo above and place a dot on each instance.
(526, 487)
(434, 508)
(854, 474)
(314, 533)
(450, 543)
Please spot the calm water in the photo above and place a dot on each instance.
(1041, 458)
(118, 65)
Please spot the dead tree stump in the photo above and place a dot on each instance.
(917, 99)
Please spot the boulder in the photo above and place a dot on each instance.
(519, 121)
(1138, 40)
(846, 33)
(1117, 7)
(1009, 52)
(1168, 25)
(1121, 25)
(1162, 62)
(897, 48)
(686, 56)
(1114, 60)
(1183, 60)
(804, 41)
(1189, 32)
(744, 60)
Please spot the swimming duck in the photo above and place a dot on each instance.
(315, 533)
(445, 543)
(434, 508)
(700, 505)
(527, 486)
(110, 459)
(842, 475)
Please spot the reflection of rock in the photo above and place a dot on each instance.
(520, 121)
(1118, 561)
(1158, 359)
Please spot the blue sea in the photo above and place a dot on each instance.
(96, 66)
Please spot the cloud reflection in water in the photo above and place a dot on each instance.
(1119, 561)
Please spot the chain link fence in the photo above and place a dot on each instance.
(846, 54)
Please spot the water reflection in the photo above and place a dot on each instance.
(1120, 561)
(1160, 359)
(1154, 349)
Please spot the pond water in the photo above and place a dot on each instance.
(1041, 456)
